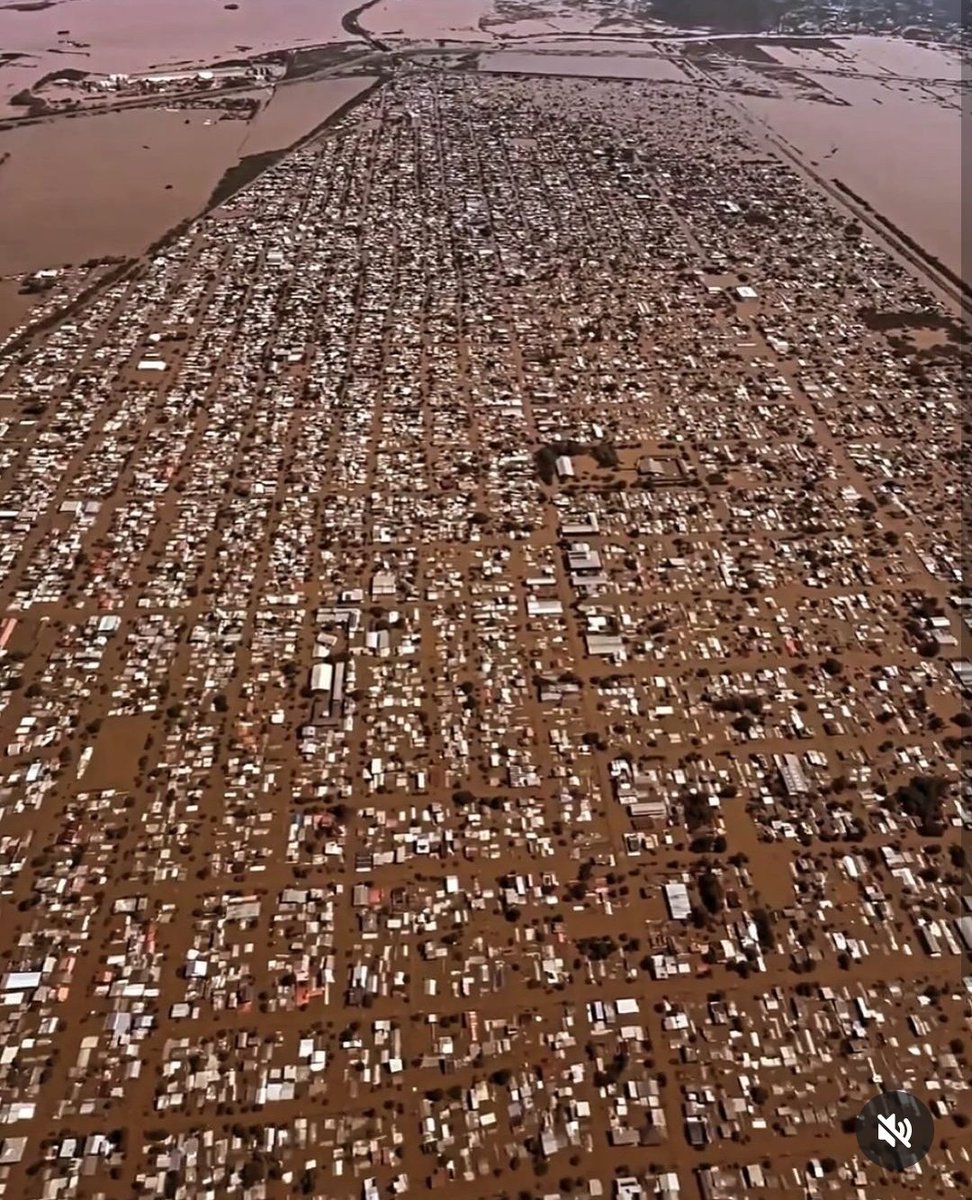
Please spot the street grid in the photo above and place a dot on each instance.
(614, 473)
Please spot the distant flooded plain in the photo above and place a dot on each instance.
(886, 120)
(86, 187)
(112, 184)
(603, 66)
(297, 109)
(137, 35)
(108, 184)
(896, 138)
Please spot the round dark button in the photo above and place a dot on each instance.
(895, 1130)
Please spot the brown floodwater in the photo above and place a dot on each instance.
(557, 22)
(117, 749)
(900, 57)
(111, 184)
(417, 20)
(605, 66)
(296, 109)
(136, 35)
(74, 189)
(896, 139)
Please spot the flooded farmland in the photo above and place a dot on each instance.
(888, 126)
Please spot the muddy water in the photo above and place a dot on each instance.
(608, 66)
(417, 20)
(117, 750)
(110, 184)
(135, 35)
(561, 22)
(298, 108)
(93, 186)
(896, 141)
(905, 58)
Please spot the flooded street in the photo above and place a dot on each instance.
(481, 671)
(879, 116)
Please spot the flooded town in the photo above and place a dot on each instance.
(484, 653)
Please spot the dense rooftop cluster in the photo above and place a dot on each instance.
(482, 682)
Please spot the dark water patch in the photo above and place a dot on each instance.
(29, 6)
